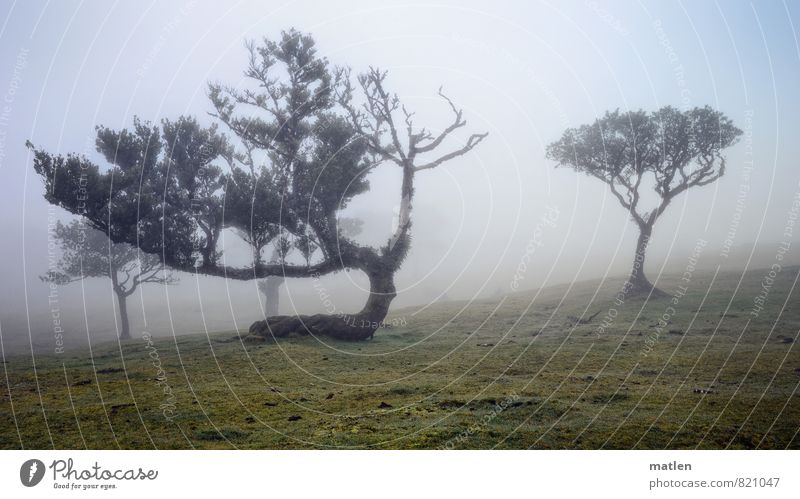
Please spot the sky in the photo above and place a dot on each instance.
(522, 71)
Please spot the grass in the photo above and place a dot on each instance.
(521, 372)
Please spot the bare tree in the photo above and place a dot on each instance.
(667, 150)
(89, 253)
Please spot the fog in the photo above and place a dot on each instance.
(522, 71)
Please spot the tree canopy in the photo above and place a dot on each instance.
(678, 149)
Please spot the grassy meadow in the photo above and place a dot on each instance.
(564, 367)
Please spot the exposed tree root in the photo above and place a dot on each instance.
(342, 327)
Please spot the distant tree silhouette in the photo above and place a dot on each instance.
(270, 287)
(306, 137)
(89, 253)
(668, 149)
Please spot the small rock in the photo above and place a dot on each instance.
(116, 408)
(109, 370)
(329, 396)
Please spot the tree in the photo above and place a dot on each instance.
(669, 150)
(89, 253)
(306, 139)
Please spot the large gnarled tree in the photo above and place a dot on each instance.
(669, 150)
(305, 137)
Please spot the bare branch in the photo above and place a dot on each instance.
(473, 141)
(458, 122)
(380, 105)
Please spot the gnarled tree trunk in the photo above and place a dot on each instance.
(638, 284)
(349, 327)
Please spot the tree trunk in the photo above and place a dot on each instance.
(404, 217)
(638, 282)
(349, 327)
(272, 294)
(125, 332)
(207, 249)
